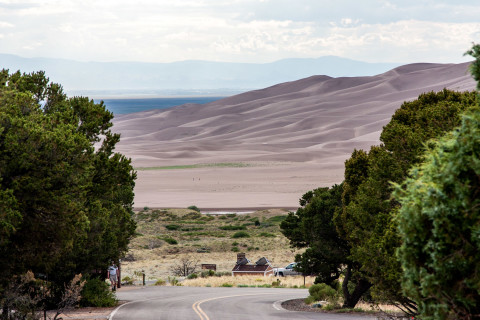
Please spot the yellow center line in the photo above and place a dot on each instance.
(203, 316)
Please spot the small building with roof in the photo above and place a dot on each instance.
(243, 267)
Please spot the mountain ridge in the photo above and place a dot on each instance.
(156, 78)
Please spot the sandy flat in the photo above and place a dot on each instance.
(289, 138)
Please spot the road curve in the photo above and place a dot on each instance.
(190, 303)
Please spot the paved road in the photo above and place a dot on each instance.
(187, 303)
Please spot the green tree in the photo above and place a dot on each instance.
(65, 196)
(439, 225)
(327, 254)
(367, 220)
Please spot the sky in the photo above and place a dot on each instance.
(253, 31)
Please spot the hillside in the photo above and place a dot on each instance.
(288, 138)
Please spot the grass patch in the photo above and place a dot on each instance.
(267, 235)
(277, 219)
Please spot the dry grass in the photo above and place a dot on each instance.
(251, 281)
(195, 232)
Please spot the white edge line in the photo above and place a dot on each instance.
(130, 302)
(278, 305)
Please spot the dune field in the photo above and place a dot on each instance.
(266, 148)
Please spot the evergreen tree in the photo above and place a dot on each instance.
(367, 220)
(327, 254)
(439, 225)
(65, 196)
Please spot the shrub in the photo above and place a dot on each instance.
(172, 226)
(170, 241)
(160, 282)
(192, 276)
(235, 249)
(322, 292)
(173, 281)
(267, 235)
(233, 227)
(309, 300)
(241, 234)
(207, 273)
(127, 281)
(227, 285)
(194, 208)
(96, 293)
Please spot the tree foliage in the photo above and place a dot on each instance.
(367, 220)
(65, 196)
(439, 224)
(327, 254)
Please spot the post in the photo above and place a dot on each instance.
(119, 282)
(143, 274)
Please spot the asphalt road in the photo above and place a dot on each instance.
(188, 303)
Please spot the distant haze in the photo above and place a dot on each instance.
(103, 79)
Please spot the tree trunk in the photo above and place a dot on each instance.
(4, 314)
(351, 300)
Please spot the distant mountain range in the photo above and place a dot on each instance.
(185, 77)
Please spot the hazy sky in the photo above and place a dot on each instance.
(240, 30)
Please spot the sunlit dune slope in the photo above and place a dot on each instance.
(304, 129)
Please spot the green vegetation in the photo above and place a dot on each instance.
(65, 205)
(241, 234)
(435, 210)
(327, 254)
(194, 208)
(439, 224)
(232, 227)
(170, 240)
(96, 293)
(210, 237)
(172, 226)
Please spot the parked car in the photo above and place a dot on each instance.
(287, 271)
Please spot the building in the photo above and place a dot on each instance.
(243, 267)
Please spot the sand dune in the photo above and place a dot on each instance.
(293, 136)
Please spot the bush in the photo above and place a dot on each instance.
(127, 281)
(194, 208)
(309, 300)
(267, 235)
(241, 234)
(227, 285)
(170, 241)
(172, 226)
(322, 291)
(160, 282)
(96, 293)
(235, 249)
(233, 227)
(207, 273)
(192, 276)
